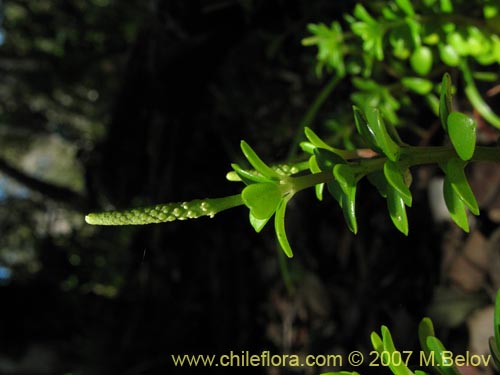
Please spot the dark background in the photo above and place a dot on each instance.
(151, 99)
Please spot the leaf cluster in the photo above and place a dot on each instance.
(411, 42)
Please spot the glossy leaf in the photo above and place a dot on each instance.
(419, 85)
(397, 367)
(346, 178)
(421, 60)
(445, 107)
(395, 176)
(425, 329)
(436, 346)
(257, 162)
(262, 199)
(382, 138)
(348, 204)
(455, 174)
(376, 342)
(279, 226)
(364, 129)
(455, 206)
(397, 209)
(318, 142)
(462, 132)
(247, 177)
(307, 147)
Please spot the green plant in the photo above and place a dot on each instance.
(433, 353)
(268, 190)
(390, 49)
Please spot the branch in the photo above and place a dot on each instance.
(51, 191)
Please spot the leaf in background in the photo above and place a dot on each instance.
(462, 132)
(262, 199)
(449, 55)
(279, 226)
(397, 367)
(421, 86)
(445, 101)
(421, 60)
(257, 162)
(455, 206)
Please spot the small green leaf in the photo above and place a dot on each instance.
(462, 132)
(257, 162)
(247, 177)
(421, 60)
(445, 367)
(455, 206)
(419, 85)
(397, 209)
(454, 170)
(449, 55)
(347, 180)
(382, 138)
(445, 107)
(397, 367)
(376, 342)
(395, 176)
(425, 329)
(257, 224)
(345, 176)
(262, 199)
(364, 129)
(279, 226)
(327, 159)
(319, 143)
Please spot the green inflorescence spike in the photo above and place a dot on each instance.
(165, 212)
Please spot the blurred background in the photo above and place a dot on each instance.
(109, 104)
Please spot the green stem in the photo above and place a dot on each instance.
(412, 156)
(310, 115)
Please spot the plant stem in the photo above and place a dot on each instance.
(412, 156)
